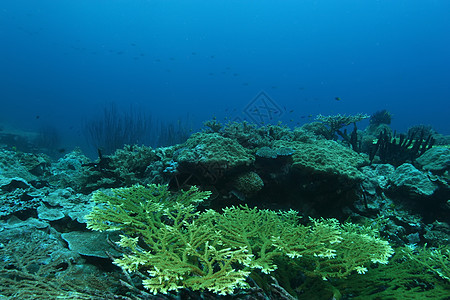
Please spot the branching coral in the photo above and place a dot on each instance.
(180, 247)
(436, 261)
(380, 117)
(335, 123)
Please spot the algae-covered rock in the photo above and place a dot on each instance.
(213, 148)
(324, 157)
(436, 160)
(10, 184)
(132, 162)
(376, 179)
(65, 202)
(253, 136)
(212, 155)
(125, 167)
(49, 214)
(90, 243)
(17, 196)
(25, 225)
(68, 171)
(407, 177)
(13, 164)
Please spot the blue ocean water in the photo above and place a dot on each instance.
(62, 61)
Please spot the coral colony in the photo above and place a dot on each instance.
(236, 210)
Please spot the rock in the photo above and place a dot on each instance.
(408, 178)
(10, 184)
(49, 214)
(324, 157)
(17, 196)
(212, 155)
(413, 238)
(14, 164)
(69, 171)
(90, 243)
(376, 180)
(65, 202)
(436, 160)
(376, 176)
(15, 228)
(213, 148)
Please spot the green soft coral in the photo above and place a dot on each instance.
(179, 247)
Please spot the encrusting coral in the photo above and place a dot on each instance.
(179, 246)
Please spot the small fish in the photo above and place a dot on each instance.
(337, 98)
(37, 117)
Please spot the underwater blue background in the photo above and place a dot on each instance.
(62, 61)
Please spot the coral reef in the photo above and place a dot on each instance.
(180, 247)
(240, 250)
